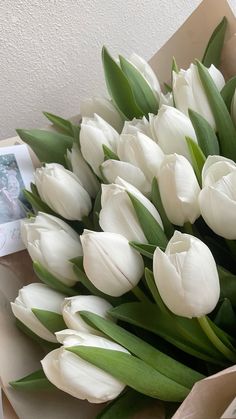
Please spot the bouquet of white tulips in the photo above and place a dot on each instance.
(132, 233)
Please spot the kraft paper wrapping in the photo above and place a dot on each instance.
(19, 356)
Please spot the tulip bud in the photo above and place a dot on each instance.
(118, 215)
(38, 296)
(233, 107)
(137, 125)
(171, 128)
(81, 169)
(189, 92)
(217, 199)
(166, 99)
(94, 133)
(147, 72)
(104, 108)
(132, 174)
(53, 243)
(62, 191)
(113, 272)
(77, 377)
(179, 190)
(186, 276)
(73, 305)
(142, 152)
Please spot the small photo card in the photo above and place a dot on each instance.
(16, 173)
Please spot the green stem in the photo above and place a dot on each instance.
(139, 294)
(230, 355)
(231, 244)
(188, 228)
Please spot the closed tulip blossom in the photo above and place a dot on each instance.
(104, 108)
(217, 198)
(110, 263)
(189, 92)
(142, 152)
(71, 374)
(171, 127)
(186, 276)
(62, 191)
(111, 169)
(50, 241)
(82, 170)
(37, 296)
(118, 215)
(137, 125)
(147, 72)
(96, 132)
(179, 190)
(71, 311)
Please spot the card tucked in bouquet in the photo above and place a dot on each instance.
(16, 173)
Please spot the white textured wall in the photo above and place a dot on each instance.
(50, 50)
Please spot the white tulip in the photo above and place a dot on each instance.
(71, 311)
(171, 127)
(142, 152)
(137, 125)
(111, 169)
(186, 276)
(77, 377)
(96, 132)
(62, 191)
(104, 108)
(53, 243)
(217, 199)
(233, 107)
(166, 99)
(110, 263)
(189, 92)
(41, 297)
(82, 170)
(118, 215)
(179, 190)
(147, 72)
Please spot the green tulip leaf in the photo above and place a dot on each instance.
(96, 211)
(34, 381)
(206, 136)
(174, 66)
(225, 317)
(224, 124)
(64, 125)
(156, 200)
(50, 280)
(126, 405)
(228, 91)
(54, 322)
(181, 332)
(197, 157)
(109, 154)
(152, 230)
(145, 249)
(143, 93)
(119, 87)
(227, 285)
(214, 47)
(133, 372)
(36, 202)
(168, 88)
(152, 356)
(154, 291)
(49, 147)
